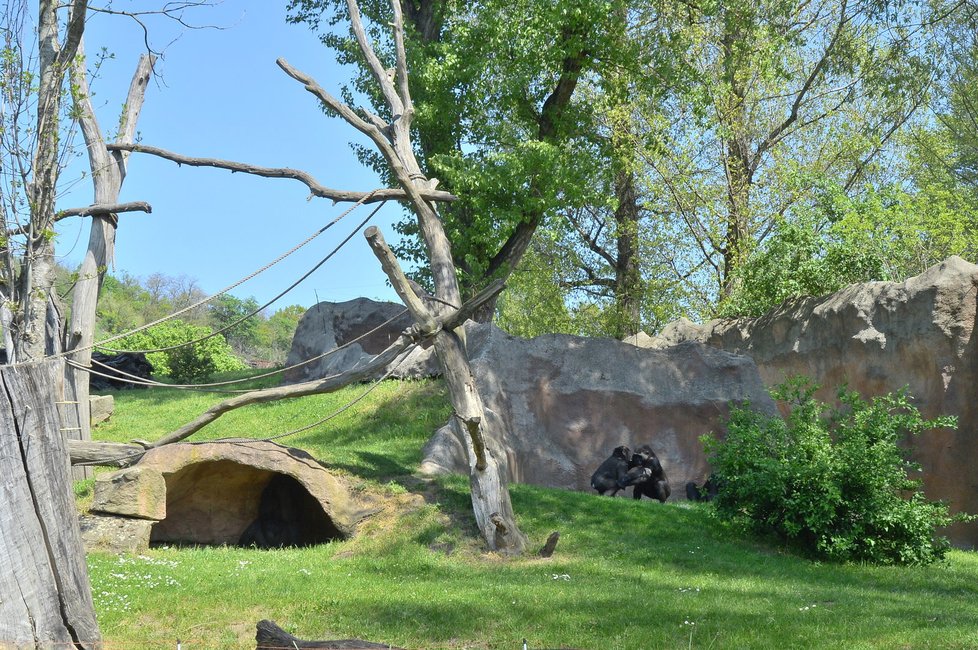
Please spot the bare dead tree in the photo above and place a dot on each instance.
(32, 150)
(488, 471)
(108, 173)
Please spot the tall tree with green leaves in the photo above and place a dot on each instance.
(789, 93)
(496, 113)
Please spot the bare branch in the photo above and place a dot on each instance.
(316, 188)
(376, 67)
(773, 137)
(170, 10)
(399, 281)
(401, 69)
(104, 209)
(325, 385)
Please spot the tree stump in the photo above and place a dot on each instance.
(45, 596)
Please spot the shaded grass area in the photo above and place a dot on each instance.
(626, 574)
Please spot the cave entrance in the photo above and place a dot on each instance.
(221, 502)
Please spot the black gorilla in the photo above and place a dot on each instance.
(288, 516)
(645, 473)
(611, 471)
(706, 493)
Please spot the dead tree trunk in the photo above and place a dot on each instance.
(45, 598)
(488, 476)
(108, 172)
(270, 636)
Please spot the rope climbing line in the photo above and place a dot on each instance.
(151, 383)
(270, 302)
(206, 300)
(336, 413)
(349, 404)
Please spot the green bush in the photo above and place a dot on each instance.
(185, 363)
(831, 483)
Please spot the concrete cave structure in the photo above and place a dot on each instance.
(233, 492)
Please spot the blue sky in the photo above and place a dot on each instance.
(220, 94)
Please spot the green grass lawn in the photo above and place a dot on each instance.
(626, 574)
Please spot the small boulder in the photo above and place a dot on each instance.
(113, 534)
(101, 408)
(138, 492)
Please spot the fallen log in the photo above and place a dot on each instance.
(112, 454)
(270, 636)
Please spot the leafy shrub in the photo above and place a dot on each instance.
(186, 363)
(832, 483)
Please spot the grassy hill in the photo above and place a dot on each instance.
(626, 574)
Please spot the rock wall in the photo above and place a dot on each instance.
(361, 328)
(565, 402)
(879, 337)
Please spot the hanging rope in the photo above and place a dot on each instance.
(339, 411)
(346, 406)
(270, 302)
(206, 300)
(151, 383)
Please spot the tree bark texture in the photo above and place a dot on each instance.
(736, 157)
(108, 173)
(628, 273)
(45, 598)
(487, 475)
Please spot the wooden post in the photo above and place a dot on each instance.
(45, 596)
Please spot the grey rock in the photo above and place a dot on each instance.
(877, 338)
(563, 403)
(114, 534)
(100, 408)
(138, 492)
(361, 325)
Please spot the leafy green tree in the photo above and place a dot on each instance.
(785, 90)
(495, 87)
(122, 305)
(837, 239)
(280, 328)
(225, 310)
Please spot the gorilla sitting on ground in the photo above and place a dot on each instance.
(645, 473)
(707, 492)
(609, 472)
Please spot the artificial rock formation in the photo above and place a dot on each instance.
(879, 337)
(566, 402)
(101, 408)
(214, 492)
(359, 324)
(138, 492)
(224, 492)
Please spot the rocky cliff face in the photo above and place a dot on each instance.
(566, 402)
(879, 337)
(353, 330)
